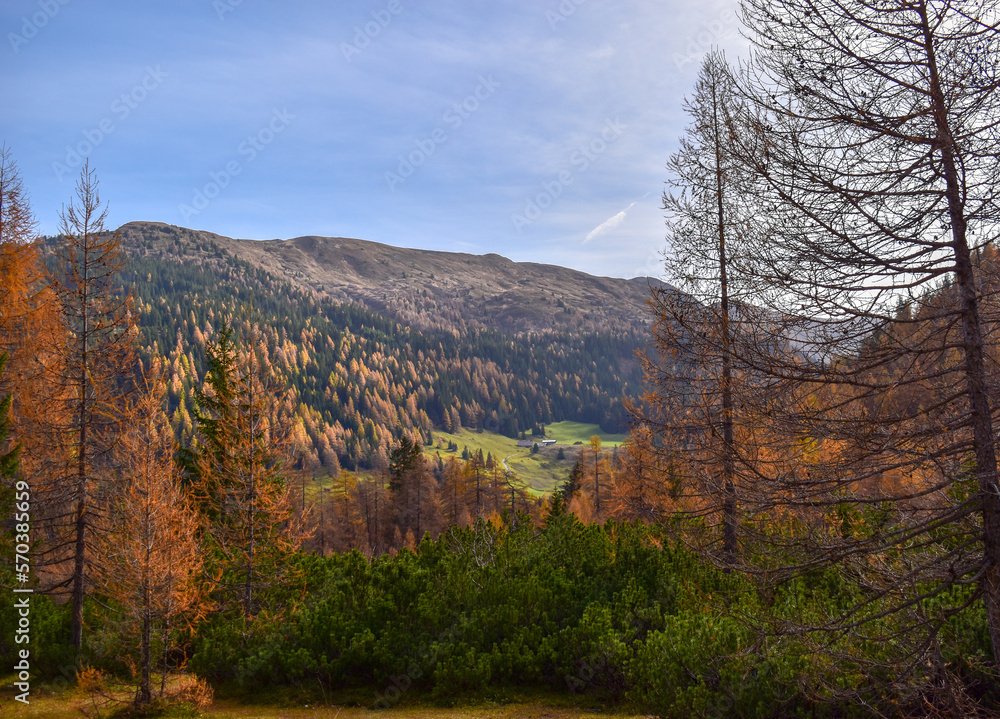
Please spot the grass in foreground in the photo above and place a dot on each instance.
(72, 703)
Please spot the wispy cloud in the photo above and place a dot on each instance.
(612, 222)
(609, 224)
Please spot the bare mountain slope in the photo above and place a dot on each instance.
(424, 288)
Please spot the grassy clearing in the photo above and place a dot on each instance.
(570, 432)
(489, 442)
(69, 704)
(542, 472)
(58, 706)
(486, 711)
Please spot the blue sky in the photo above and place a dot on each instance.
(536, 129)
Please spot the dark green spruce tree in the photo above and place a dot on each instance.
(237, 469)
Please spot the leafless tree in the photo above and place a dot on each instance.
(92, 381)
(692, 374)
(870, 128)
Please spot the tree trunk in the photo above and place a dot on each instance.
(479, 504)
(145, 693)
(729, 509)
(79, 563)
(79, 559)
(972, 345)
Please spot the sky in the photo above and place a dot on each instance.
(535, 129)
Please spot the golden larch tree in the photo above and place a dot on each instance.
(152, 570)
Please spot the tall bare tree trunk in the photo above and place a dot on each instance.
(729, 508)
(972, 340)
(145, 692)
(98, 316)
(83, 385)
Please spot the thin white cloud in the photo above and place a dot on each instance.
(609, 224)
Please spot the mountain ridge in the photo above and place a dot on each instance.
(375, 343)
(429, 289)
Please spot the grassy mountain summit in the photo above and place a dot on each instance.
(378, 341)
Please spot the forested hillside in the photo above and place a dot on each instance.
(414, 360)
(422, 288)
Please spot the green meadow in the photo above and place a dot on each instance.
(572, 432)
(541, 472)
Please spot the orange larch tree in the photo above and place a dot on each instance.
(152, 563)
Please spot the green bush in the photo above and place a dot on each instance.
(617, 612)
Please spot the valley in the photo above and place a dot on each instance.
(377, 341)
